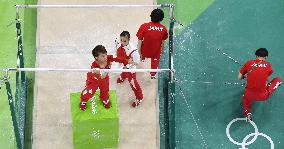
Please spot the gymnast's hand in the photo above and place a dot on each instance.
(96, 70)
(130, 61)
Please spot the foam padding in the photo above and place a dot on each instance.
(96, 127)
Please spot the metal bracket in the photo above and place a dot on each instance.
(167, 5)
(174, 79)
(6, 76)
(1, 82)
(177, 22)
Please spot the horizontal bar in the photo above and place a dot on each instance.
(84, 70)
(89, 6)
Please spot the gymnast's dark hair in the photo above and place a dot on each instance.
(157, 15)
(125, 34)
(99, 49)
(261, 52)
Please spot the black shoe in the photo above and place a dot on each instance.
(249, 117)
(153, 77)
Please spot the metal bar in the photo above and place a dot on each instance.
(17, 14)
(86, 70)
(171, 43)
(171, 85)
(88, 6)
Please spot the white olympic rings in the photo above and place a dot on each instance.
(244, 143)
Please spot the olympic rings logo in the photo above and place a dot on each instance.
(244, 143)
